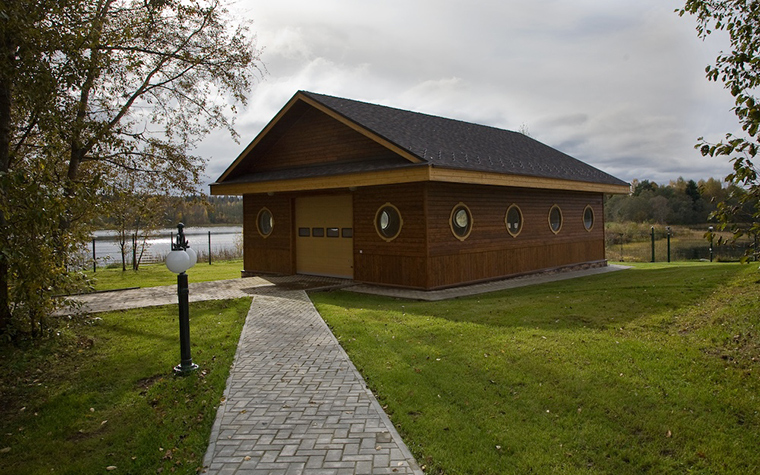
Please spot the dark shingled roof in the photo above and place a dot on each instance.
(454, 144)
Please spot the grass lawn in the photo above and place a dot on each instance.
(102, 393)
(648, 370)
(153, 275)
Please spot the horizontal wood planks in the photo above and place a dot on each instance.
(426, 254)
(490, 251)
(317, 139)
(273, 254)
(398, 262)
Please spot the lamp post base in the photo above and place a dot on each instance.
(183, 370)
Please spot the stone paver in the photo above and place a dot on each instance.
(296, 405)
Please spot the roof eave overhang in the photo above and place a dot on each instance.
(385, 177)
(523, 181)
(412, 175)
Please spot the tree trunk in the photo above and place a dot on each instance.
(5, 160)
(123, 249)
(5, 307)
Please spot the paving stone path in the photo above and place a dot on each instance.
(295, 404)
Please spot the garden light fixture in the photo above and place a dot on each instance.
(180, 259)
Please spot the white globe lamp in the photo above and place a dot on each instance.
(178, 261)
(193, 256)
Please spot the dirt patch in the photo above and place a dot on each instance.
(145, 383)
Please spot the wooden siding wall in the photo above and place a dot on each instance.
(273, 254)
(490, 251)
(426, 254)
(317, 139)
(401, 262)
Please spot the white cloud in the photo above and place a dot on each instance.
(619, 85)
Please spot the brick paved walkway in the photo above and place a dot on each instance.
(296, 405)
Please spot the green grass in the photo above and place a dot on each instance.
(153, 275)
(102, 393)
(649, 370)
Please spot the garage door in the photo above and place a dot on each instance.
(325, 236)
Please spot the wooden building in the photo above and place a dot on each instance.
(343, 188)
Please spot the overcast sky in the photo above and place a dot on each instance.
(618, 84)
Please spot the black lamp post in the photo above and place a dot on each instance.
(710, 230)
(180, 259)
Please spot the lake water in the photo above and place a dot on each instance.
(224, 240)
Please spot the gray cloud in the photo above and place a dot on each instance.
(619, 85)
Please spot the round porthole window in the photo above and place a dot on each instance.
(461, 221)
(588, 218)
(513, 220)
(388, 222)
(265, 222)
(555, 219)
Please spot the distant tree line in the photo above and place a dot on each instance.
(196, 211)
(166, 211)
(679, 202)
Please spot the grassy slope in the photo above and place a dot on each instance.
(103, 394)
(650, 370)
